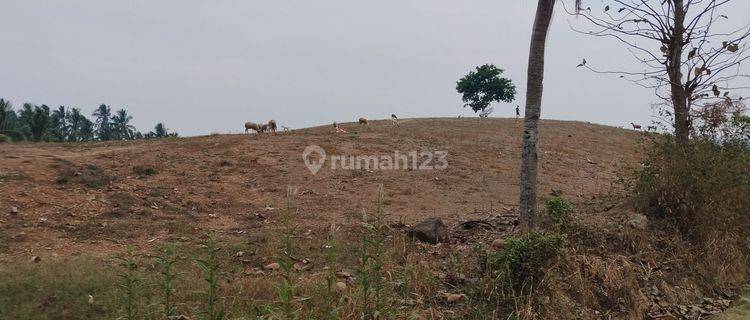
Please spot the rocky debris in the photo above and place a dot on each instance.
(638, 221)
(35, 259)
(432, 230)
(301, 266)
(14, 211)
(340, 287)
(453, 298)
(662, 309)
(272, 266)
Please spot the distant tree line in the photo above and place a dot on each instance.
(65, 124)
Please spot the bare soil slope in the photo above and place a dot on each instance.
(93, 198)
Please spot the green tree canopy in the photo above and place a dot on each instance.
(484, 86)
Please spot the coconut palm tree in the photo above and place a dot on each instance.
(103, 116)
(121, 127)
(160, 131)
(534, 89)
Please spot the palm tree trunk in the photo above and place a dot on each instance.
(534, 88)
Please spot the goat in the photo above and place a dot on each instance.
(636, 126)
(253, 126)
(263, 128)
(362, 121)
(272, 125)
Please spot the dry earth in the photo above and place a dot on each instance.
(95, 198)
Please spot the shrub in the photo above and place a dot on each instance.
(523, 260)
(144, 170)
(5, 139)
(700, 187)
(559, 210)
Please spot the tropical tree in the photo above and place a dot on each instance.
(534, 89)
(25, 117)
(160, 131)
(58, 124)
(80, 128)
(39, 122)
(121, 127)
(5, 107)
(103, 116)
(485, 85)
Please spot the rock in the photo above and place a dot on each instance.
(272, 266)
(499, 244)
(343, 275)
(638, 221)
(35, 259)
(301, 266)
(453, 298)
(432, 230)
(340, 287)
(14, 210)
(91, 299)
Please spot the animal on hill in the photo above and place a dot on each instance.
(394, 119)
(651, 128)
(338, 129)
(285, 128)
(263, 127)
(362, 121)
(252, 126)
(636, 126)
(272, 125)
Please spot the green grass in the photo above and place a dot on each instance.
(57, 290)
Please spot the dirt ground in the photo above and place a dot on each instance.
(95, 198)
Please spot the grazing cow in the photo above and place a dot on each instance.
(254, 126)
(272, 125)
(362, 121)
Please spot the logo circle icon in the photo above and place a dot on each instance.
(314, 163)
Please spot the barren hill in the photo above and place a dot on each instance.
(92, 198)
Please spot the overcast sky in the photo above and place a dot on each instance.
(209, 66)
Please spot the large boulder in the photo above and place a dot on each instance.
(432, 230)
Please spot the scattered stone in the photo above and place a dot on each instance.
(432, 230)
(301, 266)
(272, 266)
(340, 287)
(343, 275)
(14, 210)
(499, 244)
(91, 299)
(638, 221)
(239, 254)
(453, 298)
(35, 259)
